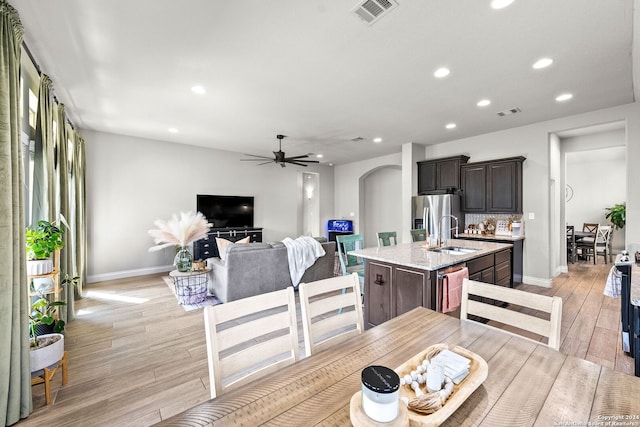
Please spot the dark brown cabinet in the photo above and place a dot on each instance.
(377, 293)
(392, 290)
(493, 268)
(474, 195)
(492, 187)
(440, 176)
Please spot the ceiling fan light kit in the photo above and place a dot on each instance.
(280, 157)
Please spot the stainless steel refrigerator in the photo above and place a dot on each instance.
(429, 210)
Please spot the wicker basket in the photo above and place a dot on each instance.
(191, 289)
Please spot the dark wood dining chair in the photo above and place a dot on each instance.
(590, 227)
(571, 244)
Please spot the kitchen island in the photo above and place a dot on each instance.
(401, 277)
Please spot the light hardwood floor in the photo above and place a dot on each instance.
(136, 357)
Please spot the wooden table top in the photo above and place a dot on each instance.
(528, 384)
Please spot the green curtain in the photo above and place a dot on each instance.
(15, 378)
(78, 168)
(43, 201)
(67, 265)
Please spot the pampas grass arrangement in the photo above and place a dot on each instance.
(181, 231)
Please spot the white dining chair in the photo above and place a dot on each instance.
(602, 243)
(551, 305)
(331, 311)
(250, 337)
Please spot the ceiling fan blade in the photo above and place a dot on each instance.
(257, 157)
(265, 163)
(298, 164)
(306, 161)
(302, 156)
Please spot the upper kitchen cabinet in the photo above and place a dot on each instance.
(492, 187)
(440, 176)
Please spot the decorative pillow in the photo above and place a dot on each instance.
(224, 245)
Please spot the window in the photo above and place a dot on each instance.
(33, 109)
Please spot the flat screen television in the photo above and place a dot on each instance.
(226, 211)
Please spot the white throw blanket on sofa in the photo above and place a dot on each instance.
(302, 253)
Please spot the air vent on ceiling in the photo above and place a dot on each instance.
(509, 112)
(371, 11)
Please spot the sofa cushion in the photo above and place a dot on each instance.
(225, 245)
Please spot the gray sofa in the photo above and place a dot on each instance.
(256, 268)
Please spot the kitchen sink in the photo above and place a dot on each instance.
(455, 250)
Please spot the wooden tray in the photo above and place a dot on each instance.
(477, 374)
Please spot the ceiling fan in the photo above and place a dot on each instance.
(280, 157)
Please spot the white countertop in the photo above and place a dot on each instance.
(417, 256)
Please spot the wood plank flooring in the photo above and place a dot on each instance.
(136, 357)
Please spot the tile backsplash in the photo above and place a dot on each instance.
(478, 218)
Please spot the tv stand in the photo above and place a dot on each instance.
(207, 247)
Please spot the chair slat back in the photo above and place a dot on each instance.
(350, 242)
(552, 305)
(590, 227)
(250, 337)
(418, 235)
(571, 243)
(603, 234)
(331, 311)
(387, 238)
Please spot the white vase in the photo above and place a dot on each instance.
(39, 266)
(43, 357)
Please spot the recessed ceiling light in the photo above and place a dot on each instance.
(499, 4)
(483, 103)
(200, 90)
(319, 156)
(376, 140)
(564, 97)
(542, 63)
(330, 164)
(451, 126)
(442, 72)
(172, 130)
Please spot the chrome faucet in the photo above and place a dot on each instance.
(441, 234)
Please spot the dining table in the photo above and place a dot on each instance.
(527, 383)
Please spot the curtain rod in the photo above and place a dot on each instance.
(37, 66)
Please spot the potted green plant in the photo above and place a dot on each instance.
(41, 242)
(47, 340)
(617, 214)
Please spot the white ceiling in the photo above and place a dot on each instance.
(314, 71)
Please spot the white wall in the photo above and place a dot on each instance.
(382, 200)
(131, 182)
(597, 178)
(531, 141)
(349, 194)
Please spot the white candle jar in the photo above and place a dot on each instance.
(380, 393)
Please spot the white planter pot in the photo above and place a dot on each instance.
(39, 266)
(43, 357)
(43, 284)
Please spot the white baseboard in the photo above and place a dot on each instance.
(128, 273)
(545, 283)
